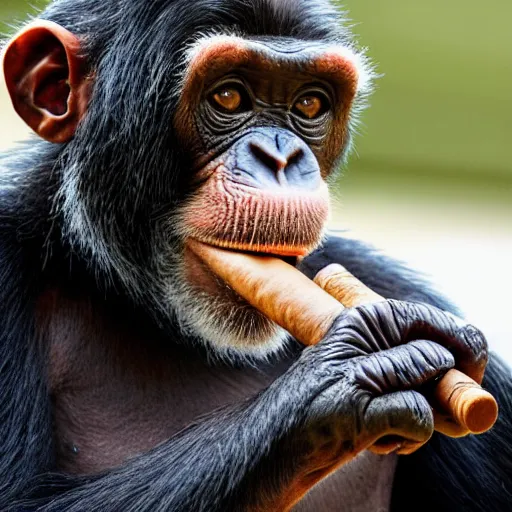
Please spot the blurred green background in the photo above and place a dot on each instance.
(442, 112)
(431, 179)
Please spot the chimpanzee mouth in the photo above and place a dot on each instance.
(229, 216)
(286, 253)
(291, 260)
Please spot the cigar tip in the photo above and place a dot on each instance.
(480, 410)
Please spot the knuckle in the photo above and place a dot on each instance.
(370, 374)
(476, 342)
(410, 363)
(334, 347)
(409, 411)
(475, 337)
(400, 309)
(414, 403)
(349, 336)
(325, 362)
(434, 354)
(414, 319)
(419, 311)
(417, 409)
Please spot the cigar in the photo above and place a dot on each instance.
(469, 408)
(307, 310)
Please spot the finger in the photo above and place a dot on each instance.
(399, 447)
(403, 367)
(401, 422)
(411, 366)
(445, 424)
(397, 410)
(466, 342)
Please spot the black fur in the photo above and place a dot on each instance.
(146, 82)
(39, 247)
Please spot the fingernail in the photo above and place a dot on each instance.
(392, 448)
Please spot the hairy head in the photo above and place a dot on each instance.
(222, 122)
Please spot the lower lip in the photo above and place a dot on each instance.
(291, 256)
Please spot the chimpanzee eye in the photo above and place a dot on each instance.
(230, 98)
(311, 106)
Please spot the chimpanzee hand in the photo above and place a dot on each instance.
(362, 380)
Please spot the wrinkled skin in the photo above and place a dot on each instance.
(369, 359)
(113, 396)
(360, 384)
(355, 387)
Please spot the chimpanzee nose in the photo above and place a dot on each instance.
(276, 156)
(273, 156)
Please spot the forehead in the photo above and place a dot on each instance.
(213, 56)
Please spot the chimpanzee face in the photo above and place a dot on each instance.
(265, 121)
(224, 129)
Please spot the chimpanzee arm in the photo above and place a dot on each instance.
(25, 416)
(339, 398)
(198, 469)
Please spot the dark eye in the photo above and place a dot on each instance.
(311, 105)
(230, 98)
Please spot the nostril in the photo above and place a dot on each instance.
(295, 157)
(272, 161)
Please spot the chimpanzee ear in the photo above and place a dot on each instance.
(45, 76)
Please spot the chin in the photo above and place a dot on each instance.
(211, 313)
(214, 325)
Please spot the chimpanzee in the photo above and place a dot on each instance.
(134, 380)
